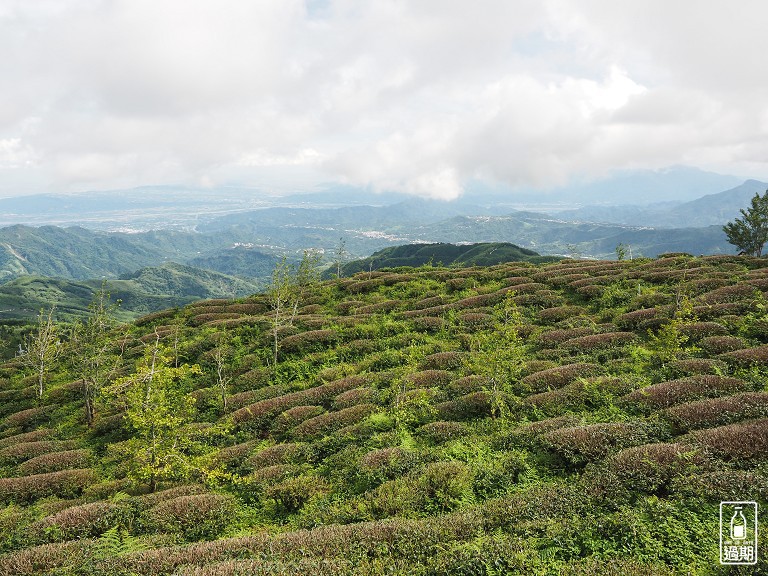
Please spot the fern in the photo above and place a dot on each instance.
(116, 542)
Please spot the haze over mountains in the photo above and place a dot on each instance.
(229, 240)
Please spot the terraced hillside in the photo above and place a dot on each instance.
(582, 417)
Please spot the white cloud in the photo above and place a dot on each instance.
(416, 96)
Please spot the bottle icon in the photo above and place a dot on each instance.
(738, 525)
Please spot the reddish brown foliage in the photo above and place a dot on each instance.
(27, 418)
(195, 515)
(80, 521)
(55, 461)
(757, 355)
(697, 330)
(476, 320)
(430, 378)
(738, 442)
(34, 436)
(467, 384)
(734, 293)
(430, 324)
(26, 450)
(150, 500)
(286, 453)
(721, 344)
(597, 341)
(693, 366)
(718, 411)
(474, 405)
(326, 423)
(41, 559)
(354, 397)
(201, 319)
(442, 361)
(583, 443)
(579, 395)
(294, 416)
(265, 410)
(552, 315)
(558, 377)
(653, 467)
(673, 392)
(65, 484)
(310, 340)
(442, 431)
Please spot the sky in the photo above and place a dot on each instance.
(420, 96)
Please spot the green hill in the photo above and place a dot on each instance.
(147, 290)
(441, 254)
(577, 417)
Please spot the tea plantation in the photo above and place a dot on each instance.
(579, 417)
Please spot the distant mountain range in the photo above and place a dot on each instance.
(709, 210)
(233, 252)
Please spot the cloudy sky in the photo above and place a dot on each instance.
(420, 96)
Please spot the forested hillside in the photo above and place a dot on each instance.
(579, 417)
(147, 290)
(442, 254)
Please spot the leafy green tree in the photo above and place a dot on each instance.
(750, 232)
(222, 355)
(94, 356)
(308, 272)
(499, 356)
(340, 256)
(42, 347)
(157, 408)
(283, 296)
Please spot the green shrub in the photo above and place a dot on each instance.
(286, 453)
(195, 517)
(748, 356)
(580, 444)
(650, 468)
(673, 392)
(442, 361)
(55, 461)
(26, 419)
(557, 377)
(64, 484)
(442, 431)
(34, 436)
(444, 486)
(718, 411)
(326, 423)
(494, 478)
(292, 494)
(83, 521)
(469, 406)
(21, 451)
(736, 442)
(430, 378)
(294, 416)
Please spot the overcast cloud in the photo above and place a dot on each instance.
(418, 96)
